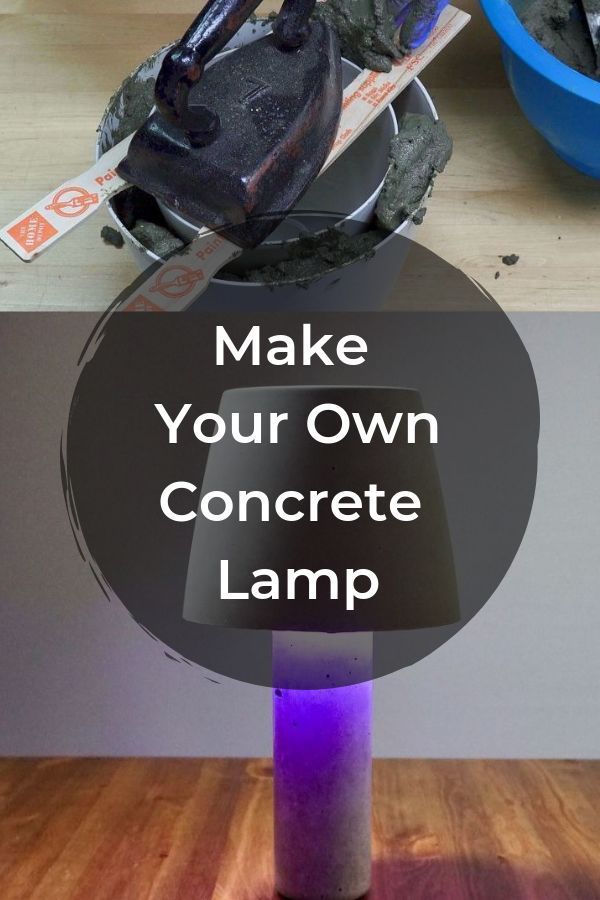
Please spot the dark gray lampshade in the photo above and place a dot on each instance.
(412, 560)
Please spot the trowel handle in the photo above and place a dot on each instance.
(183, 66)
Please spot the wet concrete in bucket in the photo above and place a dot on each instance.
(417, 154)
(312, 256)
(560, 27)
(133, 102)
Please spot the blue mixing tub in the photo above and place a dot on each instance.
(562, 104)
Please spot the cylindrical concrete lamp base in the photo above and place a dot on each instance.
(322, 762)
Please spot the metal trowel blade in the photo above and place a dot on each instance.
(591, 11)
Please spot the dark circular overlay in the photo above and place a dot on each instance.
(427, 327)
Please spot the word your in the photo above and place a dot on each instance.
(350, 350)
(267, 584)
(210, 428)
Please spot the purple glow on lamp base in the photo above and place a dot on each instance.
(323, 763)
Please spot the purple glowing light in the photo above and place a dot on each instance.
(322, 756)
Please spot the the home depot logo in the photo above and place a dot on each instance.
(72, 201)
(32, 231)
(177, 282)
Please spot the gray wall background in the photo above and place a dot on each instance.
(77, 676)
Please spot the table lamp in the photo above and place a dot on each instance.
(259, 519)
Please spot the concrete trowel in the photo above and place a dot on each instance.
(591, 11)
(235, 145)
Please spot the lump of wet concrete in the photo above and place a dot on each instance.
(559, 26)
(138, 100)
(312, 256)
(134, 100)
(418, 153)
(112, 237)
(156, 238)
(366, 31)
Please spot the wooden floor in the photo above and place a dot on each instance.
(202, 829)
(504, 191)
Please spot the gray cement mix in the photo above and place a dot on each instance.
(418, 153)
(365, 29)
(133, 102)
(559, 26)
(312, 256)
(112, 237)
(156, 237)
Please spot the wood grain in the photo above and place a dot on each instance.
(173, 829)
(504, 190)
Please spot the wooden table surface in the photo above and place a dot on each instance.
(504, 191)
(202, 829)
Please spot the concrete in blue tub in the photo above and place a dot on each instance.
(560, 102)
